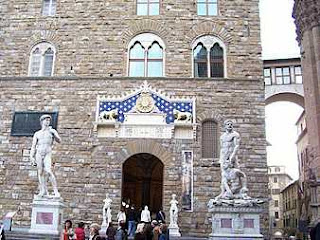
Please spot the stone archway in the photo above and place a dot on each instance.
(287, 97)
(142, 181)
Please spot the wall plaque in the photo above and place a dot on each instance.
(44, 218)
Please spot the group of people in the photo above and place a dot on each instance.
(139, 225)
(131, 223)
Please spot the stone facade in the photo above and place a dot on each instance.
(98, 46)
(307, 20)
(92, 37)
(87, 166)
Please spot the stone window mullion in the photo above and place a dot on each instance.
(208, 62)
(146, 62)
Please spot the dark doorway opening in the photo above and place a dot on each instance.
(143, 181)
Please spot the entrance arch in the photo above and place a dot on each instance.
(142, 181)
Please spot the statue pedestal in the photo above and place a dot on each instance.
(174, 230)
(233, 222)
(47, 215)
(103, 229)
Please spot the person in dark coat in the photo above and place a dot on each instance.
(161, 217)
(315, 232)
(111, 232)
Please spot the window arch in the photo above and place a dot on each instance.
(209, 58)
(209, 140)
(42, 58)
(146, 56)
(49, 7)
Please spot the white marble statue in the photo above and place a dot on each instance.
(106, 214)
(233, 186)
(40, 155)
(145, 215)
(233, 183)
(173, 211)
(229, 143)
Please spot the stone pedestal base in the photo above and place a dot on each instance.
(47, 215)
(235, 223)
(174, 231)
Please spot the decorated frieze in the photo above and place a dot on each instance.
(147, 112)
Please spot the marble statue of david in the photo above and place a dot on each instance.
(40, 155)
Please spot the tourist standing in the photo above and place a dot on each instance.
(121, 232)
(94, 232)
(161, 217)
(67, 233)
(111, 232)
(131, 221)
(163, 232)
(155, 230)
(79, 231)
(122, 215)
(145, 215)
(140, 235)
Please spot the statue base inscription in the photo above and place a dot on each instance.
(235, 223)
(47, 215)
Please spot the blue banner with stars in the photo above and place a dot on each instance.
(162, 105)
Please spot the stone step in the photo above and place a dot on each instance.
(22, 235)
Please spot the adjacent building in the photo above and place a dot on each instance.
(283, 80)
(278, 180)
(291, 203)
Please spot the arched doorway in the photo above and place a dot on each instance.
(142, 181)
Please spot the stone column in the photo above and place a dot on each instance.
(307, 20)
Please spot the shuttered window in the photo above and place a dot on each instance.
(209, 139)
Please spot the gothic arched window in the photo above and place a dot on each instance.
(200, 61)
(209, 142)
(146, 56)
(42, 60)
(209, 57)
(216, 61)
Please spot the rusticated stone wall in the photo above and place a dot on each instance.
(92, 36)
(87, 166)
